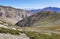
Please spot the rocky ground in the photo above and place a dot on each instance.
(9, 36)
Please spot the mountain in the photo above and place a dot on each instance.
(35, 10)
(23, 17)
(43, 18)
(54, 9)
(12, 15)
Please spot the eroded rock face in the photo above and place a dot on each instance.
(12, 14)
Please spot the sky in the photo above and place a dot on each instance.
(30, 4)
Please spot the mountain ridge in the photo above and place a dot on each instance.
(41, 18)
(54, 9)
(8, 13)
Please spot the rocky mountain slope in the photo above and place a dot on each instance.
(43, 18)
(12, 15)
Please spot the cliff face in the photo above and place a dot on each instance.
(44, 18)
(13, 15)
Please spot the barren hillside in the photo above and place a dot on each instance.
(43, 18)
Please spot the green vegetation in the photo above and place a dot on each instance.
(35, 35)
(10, 31)
(32, 35)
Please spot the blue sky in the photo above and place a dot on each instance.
(30, 4)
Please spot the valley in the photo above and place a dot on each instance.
(32, 26)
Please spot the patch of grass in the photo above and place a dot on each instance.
(10, 31)
(35, 35)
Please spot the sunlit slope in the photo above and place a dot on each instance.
(51, 19)
(44, 18)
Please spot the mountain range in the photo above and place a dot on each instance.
(54, 9)
(23, 17)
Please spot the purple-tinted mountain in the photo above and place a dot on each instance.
(35, 10)
(54, 9)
